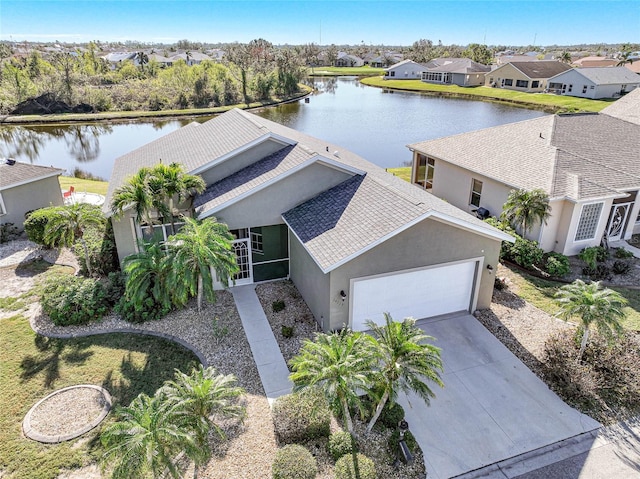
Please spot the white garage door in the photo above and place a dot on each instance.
(417, 293)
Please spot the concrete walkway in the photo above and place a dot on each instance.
(627, 246)
(272, 368)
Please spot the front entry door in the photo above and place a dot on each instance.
(243, 258)
(618, 221)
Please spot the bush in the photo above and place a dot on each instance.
(346, 469)
(287, 331)
(114, 287)
(621, 267)
(524, 252)
(557, 265)
(294, 462)
(70, 300)
(36, 223)
(277, 306)
(103, 255)
(391, 415)
(409, 438)
(622, 253)
(301, 416)
(8, 232)
(499, 284)
(148, 310)
(340, 443)
(600, 272)
(592, 255)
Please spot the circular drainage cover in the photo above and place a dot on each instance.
(67, 413)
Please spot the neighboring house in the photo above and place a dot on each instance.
(114, 59)
(594, 61)
(24, 188)
(356, 240)
(586, 163)
(162, 60)
(455, 71)
(405, 70)
(347, 60)
(525, 76)
(216, 54)
(194, 58)
(626, 108)
(594, 83)
(383, 60)
(504, 59)
(633, 67)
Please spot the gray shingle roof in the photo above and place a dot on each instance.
(21, 173)
(335, 225)
(609, 75)
(575, 156)
(458, 65)
(626, 108)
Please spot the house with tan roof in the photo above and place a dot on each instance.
(25, 187)
(586, 163)
(594, 83)
(524, 76)
(356, 240)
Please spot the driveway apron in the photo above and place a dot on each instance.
(491, 408)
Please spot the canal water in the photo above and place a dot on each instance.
(373, 122)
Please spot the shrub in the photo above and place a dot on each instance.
(148, 310)
(525, 253)
(294, 462)
(592, 255)
(287, 331)
(499, 284)
(36, 223)
(622, 253)
(340, 443)
(409, 438)
(557, 265)
(277, 306)
(621, 267)
(8, 232)
(103, 255)
(70, 300)
(391, 415)
(114, 287)
(600, 272)
(346, 469)
(301, 416)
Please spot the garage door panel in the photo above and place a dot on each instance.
(419, 293)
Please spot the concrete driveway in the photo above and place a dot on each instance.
(491, 408)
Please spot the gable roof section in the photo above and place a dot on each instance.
(626, 108)
(19, 174)
(574, 156)
(458, 65)
(541, 69)
(609, 75)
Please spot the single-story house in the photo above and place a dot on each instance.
(455, 71)
(356, 240)
(347, 60)
(510, 58)
(524, 76)
(595, 61)
(594, 83)
(405, 70)
(194, 58)
(114, 59)
(24, 188)
(586, 163)
(160, 59)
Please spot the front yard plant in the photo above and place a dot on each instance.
(341, 443)
(301, 416)
(348, 464)
(70, 300)
(294, 462)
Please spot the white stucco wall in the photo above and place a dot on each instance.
(572, 247)
(407, 71)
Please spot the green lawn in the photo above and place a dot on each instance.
(540, 293)
(88, 186)
(403, 172)
(555, 103)
(337, 71)
(32, 366)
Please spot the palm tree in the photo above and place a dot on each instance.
(338, 365)
(594, 305)
(199, 248)
(407, 362)
(143, 59)
(525, 208)
(137, 193)
(146, 440)
(69, 225)
(625, 55)
(172, 183)
(201, 396)
(565, 57)
(147, 273)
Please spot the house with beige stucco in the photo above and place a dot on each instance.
(356, 240)
(586, 163)
(530, 77)
(24, 188)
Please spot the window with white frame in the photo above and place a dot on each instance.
(589, 219)
(476, 193)
(425, 170)
(256, 241)
(3, 210)
(159, 232)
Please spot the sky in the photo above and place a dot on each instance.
(387, 22)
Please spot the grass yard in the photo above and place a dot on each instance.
(540, 293)
(337, 71)
(32, 366)
(403, 172)
(555, 103)
(88, 186)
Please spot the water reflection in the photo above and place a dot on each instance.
(27, 142)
